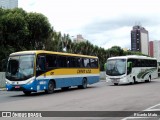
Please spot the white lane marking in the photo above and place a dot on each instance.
(152, 107)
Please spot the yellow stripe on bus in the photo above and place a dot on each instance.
(71, 72)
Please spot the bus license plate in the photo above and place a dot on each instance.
(17, 86)
(115, 81)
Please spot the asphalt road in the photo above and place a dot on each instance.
(97, 97)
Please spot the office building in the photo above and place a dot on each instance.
(154, 49)
(140, 40)
(79, 39)
(8, 4)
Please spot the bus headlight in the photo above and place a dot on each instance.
(7, 82)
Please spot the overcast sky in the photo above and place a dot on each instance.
(103, 22)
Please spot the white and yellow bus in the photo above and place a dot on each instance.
(130, 69)
(33, 71)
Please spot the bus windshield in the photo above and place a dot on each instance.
(20, 67)
(116, 67)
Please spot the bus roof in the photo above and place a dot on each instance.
(131, 56)
(49, 52)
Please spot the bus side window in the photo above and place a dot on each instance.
(80, 62)
(86, 63)
(129, 67)
(15, 65)
(94, 63)
(71, 62)
(51, 61)
(41, 64)
(155, 63)
(62, 61)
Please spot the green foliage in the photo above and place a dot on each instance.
(115, 51)
(39, 30)
(132, 53)
(20, 30)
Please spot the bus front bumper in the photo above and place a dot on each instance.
(18, 86)
(121, 80)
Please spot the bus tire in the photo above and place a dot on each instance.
(149, 79)
(131, 83)
(134, 80)
(116, 84)
(84, 84)
(27, 92)
(50, 87)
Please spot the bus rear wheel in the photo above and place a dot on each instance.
(134, 80)
(50, 87)
(149, 79)
(84, 84)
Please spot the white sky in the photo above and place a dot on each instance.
(103, 22)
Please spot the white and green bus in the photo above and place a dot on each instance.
(131, 69)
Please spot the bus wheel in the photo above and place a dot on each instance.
(84, 84)
(115, 83)
(131, 83)
(27, 92)
(149, 79)
(50, 87)
(134, 80)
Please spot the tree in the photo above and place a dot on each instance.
(20, 30)
(13, 32)
(13, 28)
(115, 51)
(39, 30)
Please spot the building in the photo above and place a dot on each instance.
(8, 4)
(154, 49)
(79, 39)
(125, 49)
(140, 40)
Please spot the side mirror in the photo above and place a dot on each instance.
(105, 66)
(129, 64)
